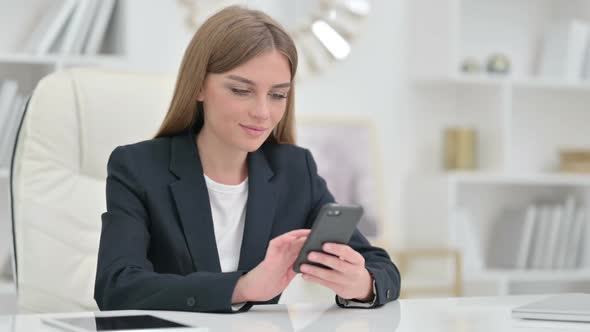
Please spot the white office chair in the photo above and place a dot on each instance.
(74, 119)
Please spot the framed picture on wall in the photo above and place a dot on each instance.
(346, 154)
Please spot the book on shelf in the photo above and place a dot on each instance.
(18, 21)
(579, 228)
(77, 29)
(528, 230)
(555, 217)
(84, 28)
(545, 235)
(505, 242)
(564, 50)
(561, 253)
(55, 26)
(49, 27)
(541, 237)
(99, 27)
(584, 260)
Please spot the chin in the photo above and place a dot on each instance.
(251, 146)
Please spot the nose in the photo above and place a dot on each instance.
(261, 109)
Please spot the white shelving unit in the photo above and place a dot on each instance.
(521, 120)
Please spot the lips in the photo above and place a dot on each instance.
(253, 131)
(254, 127)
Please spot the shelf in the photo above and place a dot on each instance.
(529, 275)
(539, 179)
(551, 84)
(93, 59)
(498, 81)
(53, 59)
(463, 79)
(22, 58)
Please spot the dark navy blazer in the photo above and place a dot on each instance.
(157, 246)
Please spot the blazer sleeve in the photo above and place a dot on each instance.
(385, 274)
(125, 278)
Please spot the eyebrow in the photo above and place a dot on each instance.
(249, 82)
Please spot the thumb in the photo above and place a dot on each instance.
(290, 273)
(295, 248)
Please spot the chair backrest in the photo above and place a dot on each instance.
(74, 119)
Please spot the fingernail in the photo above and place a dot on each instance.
(327, 247)
(312, 256)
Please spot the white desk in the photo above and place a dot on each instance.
(456, 314)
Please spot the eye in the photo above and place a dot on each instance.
(239, 92)
(278, 96)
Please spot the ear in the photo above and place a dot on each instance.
(200, 95)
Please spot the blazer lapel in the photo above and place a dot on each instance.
(192, 203)
(260, 211)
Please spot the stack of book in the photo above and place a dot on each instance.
(564, 54)
(546, 235)
(57, 26)
(11, 110)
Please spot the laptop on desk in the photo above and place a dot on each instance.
(563, 307)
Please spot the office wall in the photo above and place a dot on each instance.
(370, 83)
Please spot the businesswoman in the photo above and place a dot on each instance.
(211, 213)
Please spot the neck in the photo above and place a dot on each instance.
(221, 163)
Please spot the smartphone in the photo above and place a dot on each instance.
(334, 223)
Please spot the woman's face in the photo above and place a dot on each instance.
(243, 105)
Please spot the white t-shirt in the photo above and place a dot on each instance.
(228, 209)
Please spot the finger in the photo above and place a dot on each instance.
(331, 261)
(288, 237)
(291, 273)
(287, 256)
(281, 242)
(333, 286)
(298, 244)
(322, 273)
(344, 252)
(298, 232)
(295, 247)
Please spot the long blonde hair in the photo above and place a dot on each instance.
(226, 40)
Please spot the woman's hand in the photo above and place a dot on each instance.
(348, 278)
(269, 278)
